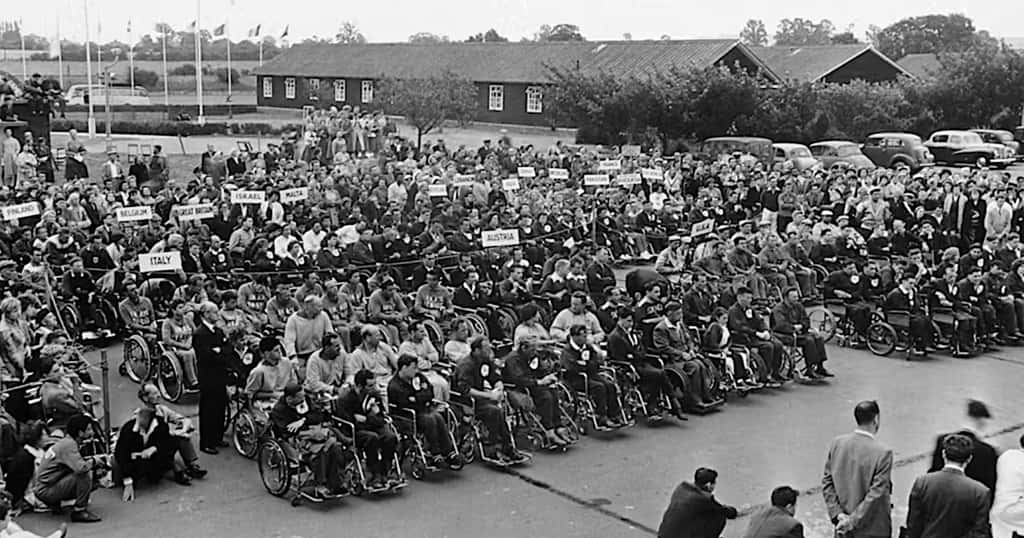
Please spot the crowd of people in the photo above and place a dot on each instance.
(352, 268)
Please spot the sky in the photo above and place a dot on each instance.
(396, 20)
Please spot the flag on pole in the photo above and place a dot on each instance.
(284, 34)
(129, 27)
(219, 31)
(192, 26)
(254, 32)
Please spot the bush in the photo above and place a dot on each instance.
(184, 70)
(222, 76)
(174, 128)
(147, 79)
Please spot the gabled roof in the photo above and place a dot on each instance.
(814, 63)
(921, 66)
(500, 62)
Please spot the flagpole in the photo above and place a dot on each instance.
(131, 58)
(88, 73)
(260, 48)
(227, 34)
(167, 102)
(60, 58)
(24, 60)
(199, 64)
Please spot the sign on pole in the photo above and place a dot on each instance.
(438, 189)
(15, 212)
(558, 173)
(159, 261)
(510, 184)
(294, 195)
(134, 214)
(194, 212)
(703, 227)
(499, 238)
(595, 180)
(248, 197)
(526, 171)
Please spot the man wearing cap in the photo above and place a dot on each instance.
(946, 502)
(982, 466)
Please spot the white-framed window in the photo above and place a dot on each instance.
(534, 100)
(268, 86)
(314, 89)
(496, 97)
(367, 91)
(289, 88)
(339, 91)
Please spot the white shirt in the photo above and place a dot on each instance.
(1007, 514)
(311, 241)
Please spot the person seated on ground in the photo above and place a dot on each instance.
(790, 319)
(529, 379)
(432, 299)
(269, 378)
(904, 298)
(625, 345)
(776, 520)
(582, 363)
(325, 369)
(180, 427)
(672, 340)
(65, 474)
(748, 328)
(577, 314)
(410, 390)
(362, 405)
(145, 451)
(176, 334)
(302, 430)
(10, 529)
(478, 378)
(418, 345)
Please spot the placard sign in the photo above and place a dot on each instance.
(134, 214)
(438, 189)
(159, 261)
(461, 184)
(468, 178)
(631, 151)
(194, 212)
(609, 166)
(526, 171)
(510, 184)
(652, 173)
(499, 238)
(595, 180)
(15, 212)
(297, 194)
(627, 180)
(248, 197)
(558, 173)
(703, 227)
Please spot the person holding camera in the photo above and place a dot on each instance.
(64, 474)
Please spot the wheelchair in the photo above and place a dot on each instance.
(581, 407)
(527, 427)
(356, 480)
(946, 327)
(634, 402)
(170, 375)
(282, 470)
(730, 383)
(793, 361)
(891, 333)
(250, 422)
(470, 432)
(140, 357)
(412, 445)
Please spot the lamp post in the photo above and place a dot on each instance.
(106, 88)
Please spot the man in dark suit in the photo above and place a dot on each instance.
(624, 345)
(693, 511)
(946, 503)
(212, 354)
(777, 521)
(982, 466)
(857, 483)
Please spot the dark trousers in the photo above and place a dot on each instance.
(654, 381)
(77, 486)
(151, 470)
(494, 420)
(921, 330)
(213, 404)
(435, 431)
(813, 347)
(328, 465)
(379, 448)
(19, 474)
(771, 351)
(545, 404)
(859, 315)
(1006, 313)
(603, 393)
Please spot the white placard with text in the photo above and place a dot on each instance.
(159, 261)
(499, 238)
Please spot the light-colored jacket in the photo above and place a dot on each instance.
(858, 482)
(1007, 514)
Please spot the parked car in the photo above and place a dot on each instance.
(966, 147)
(760, 148)
(1005, 138)
(799, 154)
(79, 94)
(840, 153)
(890, 150)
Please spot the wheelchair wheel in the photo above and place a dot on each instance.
(72, 321)
(633, 405)
(245, 435)
(170, 378)
(434, 333)
(823, 321)
(389, 335)
(353, 478)
(467, 443)
(106, 315)
(136, 358)
(477, 325)
(275, 471)
(506, 320)
(881, 339)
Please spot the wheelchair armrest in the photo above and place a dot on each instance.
(350, 426)
(624, 365)
(398, 412)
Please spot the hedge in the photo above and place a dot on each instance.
(174, 128)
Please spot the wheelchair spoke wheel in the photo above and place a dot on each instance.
(353, 478)
(170, 377)
(72, 321)
(477, 325)
(467, 445)
(274, 469)
(881, 339)
(507, 321)
(136, 358)
(245, 435)
(434, 333)
(822, 320)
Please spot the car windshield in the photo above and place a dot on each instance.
(800, 152)
(972, 139)
(848, 150)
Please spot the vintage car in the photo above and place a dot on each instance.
(840, 153)
(891, 150)
(966, 147)
(798, 154)
(759, 148)
(1000, 136)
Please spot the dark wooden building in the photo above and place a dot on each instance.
(830, 63)
(510, 77)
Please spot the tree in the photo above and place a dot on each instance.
(803, 32)
(665, 37)
(349, 34)
(754, 33)
(558, 32)
(627, 36)
(427, 102)
(427, 38)
(872, 35)
(845, 38)
(490, 36)
(926, 34)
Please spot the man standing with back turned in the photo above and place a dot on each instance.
(857, 483)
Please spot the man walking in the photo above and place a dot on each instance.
(946, 503)
(857, 482)
(982, 466)
(693, 511)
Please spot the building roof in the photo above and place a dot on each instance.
(921, 65)
(814, 63)
(500, 62)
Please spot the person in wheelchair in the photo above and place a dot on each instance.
(947, 309)
(577, 314)
(1003, 301)
(477, 377)
(846, 284)
(789, 318)
(176, 334)
(137, 311)
(673, 341)
(904, 298)
(581, 357)
(77, 284)
(301, 430)
(362, 405)
(325, 372)
(269, 378)
(717, 339)
(974, 295)
(625, 345)
(699, 300)
(532, 378)
(749, 330)
(411, 391)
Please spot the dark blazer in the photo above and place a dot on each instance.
(983, 463)
(212, 352)
(774, 522)
(948, 504)
(694, 513)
